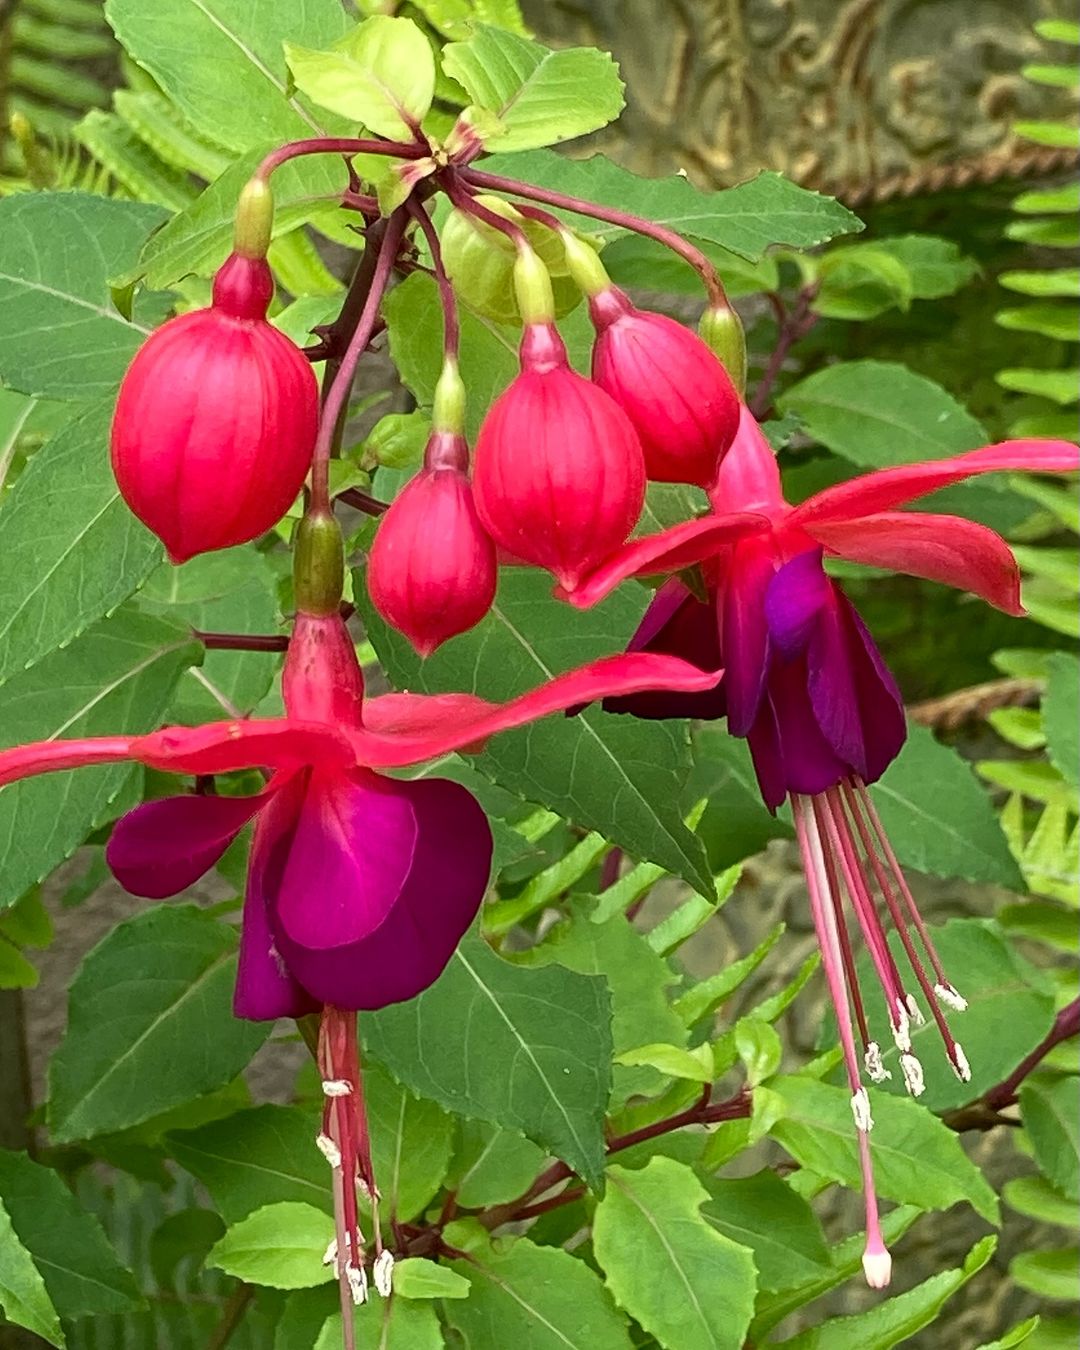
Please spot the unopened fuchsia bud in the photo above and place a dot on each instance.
(559, 475)
(217, 415)
(432, 570)
(722, 332)
(671, 386)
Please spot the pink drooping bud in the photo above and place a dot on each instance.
(432, 569)
(670, 385)
(216, 420)
(559, 474)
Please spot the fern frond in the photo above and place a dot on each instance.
(131, 163)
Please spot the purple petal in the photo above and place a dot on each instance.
(161, 847)
(376, 885)
(745, 641)
(809, 764)
(854, 697)
(265, 990)
(676, 623)
(795, 598)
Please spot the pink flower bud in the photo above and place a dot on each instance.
(216, 420)
(432, 571)
(670, 385)
(559, 475)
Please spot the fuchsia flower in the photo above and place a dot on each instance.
(805, 684)
(216, 420)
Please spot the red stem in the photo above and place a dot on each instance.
(1066, 1024)
(451, 322)
(465, 201)
(241, 642)
(371, 506)
(793, 325)
(338, 145)
(623, 219)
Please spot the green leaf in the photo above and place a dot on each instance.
(540, 97)
(254, 1158)
(411, 1141)
(1055, 321)
(1062, 77)
(876, 414)
(492, 1165)
(769, 209)
(232, 591)
(1059, 30)
(1064, 200)
(736, 823)
(935, 266)
(896, 1319)
(417, 1278)
(1057, 385)
(279, 1245)
(199, 239)
(705, 996)
(860, 282)
(489, 351)
(613, 774)
(58, 250)
(222, 63)
(119, 674)
(938, 818)
(1061, 714)
(381, 74)
(80, 550)
(763, 1213)
(759, 1048)
(1049, 1109)
(81, 1271)
(1058, 281)
(24, 1299)
(1017, 1336)
(1055, 232)
(688, 1285)
(399, 1325)
(157, 990)
(819, 1133)
(1010, 1010)
(1058, 134)
(633, 260)
(527, 1049)
(1053, 1274)
(1034, 1197)
(540, 1297)
(672, 1061)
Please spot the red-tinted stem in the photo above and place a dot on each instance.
(623, 219)
(371, 506)
(1066, 1025)
(338, 145)
(464, 200)
(451, 323)
(793, 325)
(337, 397)
(241, 642)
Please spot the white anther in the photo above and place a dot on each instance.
(877, 1267)
(328, 1149)
(383, 1270)
(876, 1070)
(860, 1109)
(917, 1018)
(330, 1255)
(960, 1064)
(336, 1087)
(901, 1030)
(947, 994)
(357, 1281)
(913, 1075)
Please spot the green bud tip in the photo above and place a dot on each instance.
(318, 564)
(722, 332)
(532, 285)
(448, 413)
(254, 219)
(584, 264)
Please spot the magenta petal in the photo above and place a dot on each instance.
(796, 595)
(403, 893)
(265, 989)
(787, 740)
(161, 847)
(744, 641)
(676, 623)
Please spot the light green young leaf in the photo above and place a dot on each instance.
(398, 1323)
(82, 1273)
(416, 1278)
(527, 1049)
(24, 1300)
(860, 282)
(382, 74)
(687, 1284)
(819, 1133)
(120, 674)
(1061, 714)
(1048, 1106)
(254, 1158)
(671, 1060)
(540, 97)
(705, 996)
(936, 266)
(279, 1245)
(896, 1319)
(156, 990)
(1035, 1197)
(1017, 1336)
(540, 1297)
(769, 209)
(222, 63)
(1060, 386)
(759, 1048)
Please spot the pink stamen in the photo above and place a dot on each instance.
(824, 914)
(845, 950)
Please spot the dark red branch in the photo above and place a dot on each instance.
(1066, 1025)
(242, 642)
(794, 324)
(371, 506)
